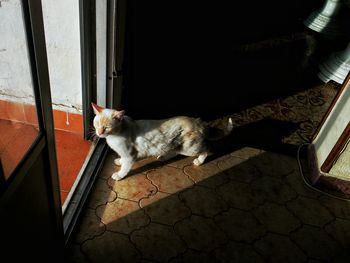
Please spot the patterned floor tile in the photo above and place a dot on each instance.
(339, 229)
(240, 225)
(179, 162)
(200, 233)
(274, 165)
(247, 153)
(191, 256)
(309, 211)
(144, 165)
(314, 261)
(227, 162)
(158, 242)
(90, 227)
(244, 172)
(276, 218)
(273, 189)
(207, 175)
(169, 179)
(239, 195)
(122, 216)
(277, 248)
(236, 252)
(147, 261)
(296, 182)
(165, 208)
(100, 194)
(133, 187)
(140, 166)
(74, 254)
(108, 167)
(339, 208)
(110, 247)
(316, 243)
(203, 201)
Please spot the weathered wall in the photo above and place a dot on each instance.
(15, 77)
(61, 21)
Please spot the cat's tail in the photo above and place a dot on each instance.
(218, 133)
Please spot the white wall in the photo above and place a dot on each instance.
(62, 32)
(15, 75)
(101, 50)
(333, 127)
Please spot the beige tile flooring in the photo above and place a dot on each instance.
(246, 206)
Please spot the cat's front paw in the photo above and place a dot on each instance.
(117, 162)
(116, 176)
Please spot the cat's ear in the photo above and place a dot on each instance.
(97, 109)
(118, 114)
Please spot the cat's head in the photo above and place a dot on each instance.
(106, 120)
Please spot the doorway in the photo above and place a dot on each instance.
(31, 215)
(62, 122)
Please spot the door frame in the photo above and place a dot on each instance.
(43, 149)
(116, 10)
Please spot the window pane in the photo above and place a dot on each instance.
(18, 115)
(62, 34)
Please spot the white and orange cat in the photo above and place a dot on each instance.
(164, 139)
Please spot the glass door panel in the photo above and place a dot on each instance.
(30, 208)
(75, 32)
(18, 115)
(63, 42)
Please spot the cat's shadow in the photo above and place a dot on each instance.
(267, 134)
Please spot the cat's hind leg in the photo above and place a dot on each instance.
(196, 150)
(200, 159)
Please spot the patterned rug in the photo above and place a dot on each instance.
(282, 125)
(288, 121)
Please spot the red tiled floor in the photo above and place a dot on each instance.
(64, 195)
(18, 126)
(15, 140)
(71, 151)
(68, 121)
(30, 114)
(11, 111)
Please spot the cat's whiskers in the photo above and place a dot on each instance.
(92, 136)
